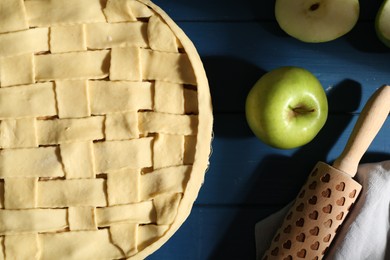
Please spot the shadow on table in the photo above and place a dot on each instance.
(230, 80)
(283, 176)
(363, 38)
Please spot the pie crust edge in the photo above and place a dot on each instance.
(204, 134)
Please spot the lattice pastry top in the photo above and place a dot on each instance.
(105, 128)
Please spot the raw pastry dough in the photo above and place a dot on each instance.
(118, 11)
(30, 162)
(68, 38)
(58, 12)
(36, 100)
(70, 92)
(18, 133)
(14, 199)
(71, 193)
(125, 64)
(161, 37)
(152, 122)
(72, 65)
(177, 67)
(168, 150)
(132, 213)
(78, 160)
(121, 126)
(13, 16)
(17, 70)
(165, 180)
(82, 218)
(119, 96)
(29, 41)
(123, 186)
(59, 131)
(163, 91)
(21, 246)
(125, 10)
(125, 236)
(32, 220)
(65, 245)
(114, 155)
(105, 128)
(108, 35)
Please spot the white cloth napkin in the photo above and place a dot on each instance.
(364, 234)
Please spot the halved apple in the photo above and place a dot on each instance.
(316, 20)
(382, 23)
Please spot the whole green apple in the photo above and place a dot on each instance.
(287, 107)
(382, 22)
(317, 20)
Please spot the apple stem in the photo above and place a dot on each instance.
(302, 110)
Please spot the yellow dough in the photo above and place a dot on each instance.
(108, 35)
(121, 126)
(59, 12)
(72, 65)
(119, 96)
(161, 37)
(133, 213)
(78, 160)
(40, 97)
(24, 73)
(123, 186)
(13, 16)
(28, 41)
(152, 122)
(82, 218)
(18, 133)
(105, 128)
(32, 220)
(69, 92)
(125, 64)
(114, 155)
(27, 162)
(68, 38)
(59, 131)
(21, 246)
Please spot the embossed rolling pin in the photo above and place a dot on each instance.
(324, 201)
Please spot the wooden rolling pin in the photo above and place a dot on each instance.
(325, 200)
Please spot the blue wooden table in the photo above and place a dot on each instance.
(238, 42)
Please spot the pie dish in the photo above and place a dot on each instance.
(105, 128)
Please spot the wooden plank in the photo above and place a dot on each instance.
(235, 55)
(247, 180)
(215, 233)
(218, 10)
(243, 10)
(244, 171)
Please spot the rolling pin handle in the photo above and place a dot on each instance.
(370, 121)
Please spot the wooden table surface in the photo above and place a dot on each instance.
(238, 42)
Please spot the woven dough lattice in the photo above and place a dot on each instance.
(105, 128)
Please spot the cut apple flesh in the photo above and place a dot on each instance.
(383, 23)
(318, 20)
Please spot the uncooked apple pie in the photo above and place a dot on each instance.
(105, 128)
